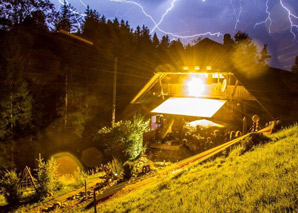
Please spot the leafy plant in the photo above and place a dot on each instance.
(116, 168)
(46, 177)
(9, 182)
(80, 176)
(124, 139)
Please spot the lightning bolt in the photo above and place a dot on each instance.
(61, 2)
(83, 3)
(267, 19)
(156, 25)
(237, 16)
(290, 17)
(163, 15)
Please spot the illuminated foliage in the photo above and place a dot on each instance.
(9, 182)
(46, 177)
(116, 168)
(249, 60)
(124, 139)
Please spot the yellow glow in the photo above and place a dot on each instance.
(195, 87)
(190, 107)
(208, 68)
(185, 68)
(197, 68)
(67, 163)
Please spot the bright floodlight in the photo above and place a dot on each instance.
(190, 107)
(195, 87)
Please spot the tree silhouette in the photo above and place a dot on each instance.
(67, 18)
(14, 12)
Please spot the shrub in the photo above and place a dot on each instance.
(46, 177)
(9, 182)
(252, 141)
(116, 167)
(80, 176)
(124, 139)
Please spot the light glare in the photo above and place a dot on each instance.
(195, 87)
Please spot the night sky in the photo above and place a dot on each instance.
(274, 22)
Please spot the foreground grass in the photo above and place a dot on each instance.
(265, 179)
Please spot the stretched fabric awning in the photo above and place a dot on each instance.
(204, 122)
(197, 107)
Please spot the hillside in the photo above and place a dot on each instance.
(262, 179)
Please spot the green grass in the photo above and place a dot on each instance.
(264, 179)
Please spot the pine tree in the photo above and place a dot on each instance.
(247, 58)
(155, 41)
(91, 23)
(15, 12)
(67, 18)
(15, 99)
(265, 57)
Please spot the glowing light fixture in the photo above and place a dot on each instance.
(197, 107)
(216, 75)
(197, 68)
(195, 87)
(208, 68)
(185, 68)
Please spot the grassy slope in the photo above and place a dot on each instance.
(265, 179)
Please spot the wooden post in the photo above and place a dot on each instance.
(66, 98)
(114, 91)
(31, 178)
(94, 197)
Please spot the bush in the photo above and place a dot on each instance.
(124, 139)
(253, 140)
(9, 182)
(46, 177)
(116, 167)
(80, 176)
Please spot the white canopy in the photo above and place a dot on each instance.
(197, 107)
